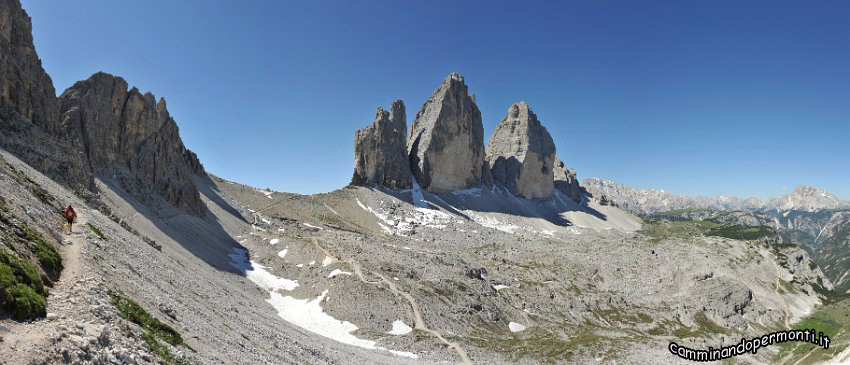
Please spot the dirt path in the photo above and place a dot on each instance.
(842, 358)
(419, 323)
(21, 338)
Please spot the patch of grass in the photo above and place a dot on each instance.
(96, 231)
(708, 325)
(658, 231)
(644, 318)
(48, 257)
(739, 232)
(704, 327)
(153, 329)
(545, 346)
(833, 320)
(622, 315)
(22, 290)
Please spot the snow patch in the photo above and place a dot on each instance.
(258, 274)
(400, 328)
(274, 241)
(516, 327)
(308, 225)
(309, 315)
(500, 287)
(327, 261)
(492, 222)
(282, 254)
(338, 272)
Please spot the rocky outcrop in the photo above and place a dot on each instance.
(130, 137)
(380, 153)
(97, 127)
(24, 85)
(521, 154)
(566, 181)
(28, 107)
(446, 144)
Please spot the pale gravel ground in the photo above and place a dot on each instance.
(556, 280)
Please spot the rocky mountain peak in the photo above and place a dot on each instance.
(380, 153)
(24, 85)
(129, 136)
(807, 198)
(521, 154)
(566, 181)
(446, 143)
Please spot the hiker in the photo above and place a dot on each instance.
(70, 214)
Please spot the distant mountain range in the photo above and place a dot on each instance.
(648, 201)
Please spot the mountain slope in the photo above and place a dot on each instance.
(648, 201)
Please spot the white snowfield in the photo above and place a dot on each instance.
(304, 313)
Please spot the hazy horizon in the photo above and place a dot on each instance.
(723, 98)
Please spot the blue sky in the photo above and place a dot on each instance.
(744, 98)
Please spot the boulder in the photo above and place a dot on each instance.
(521, 154)
(380, 153)
(446, 144)
(130, 138)
(566, 181)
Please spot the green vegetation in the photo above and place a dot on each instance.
(658, 231)
(621, 315)
(48, 257)
(833, 320)
(96, 231)
(22, 290)
(546, 346)
(834, 258)
(154, 331)
(739, 232)
(677, 215)
(703, 327)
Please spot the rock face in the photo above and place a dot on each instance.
(380, 154)
(97, 127)
(521, 154)
(131, 137)
(28, 107)
(24, 86)
(566, 181)
(446, 144)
